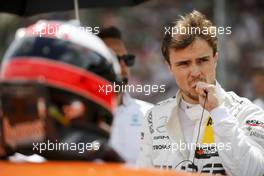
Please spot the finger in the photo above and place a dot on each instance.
(210, 88)
(200, 89)
(201, 100)
(205, 87)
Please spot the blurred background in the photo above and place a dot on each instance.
(143, 29)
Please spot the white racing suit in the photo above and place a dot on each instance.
(231, 138)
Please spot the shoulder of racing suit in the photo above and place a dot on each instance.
(249, 116)
(242, 108)
(158, 115)
(165, 102)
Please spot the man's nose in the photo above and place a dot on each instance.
(195, 71)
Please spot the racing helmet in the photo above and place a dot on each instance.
(48, 66)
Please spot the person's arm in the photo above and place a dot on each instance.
(246, 155)
(144, 159)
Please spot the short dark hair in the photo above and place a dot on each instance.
(110, 32)
(194, 20)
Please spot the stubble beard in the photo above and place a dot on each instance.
(189, 94)
(195, 98)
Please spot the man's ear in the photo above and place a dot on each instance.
(216, 58)
(168, 66)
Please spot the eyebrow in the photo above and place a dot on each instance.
(187, 61)
(203, 57)
(182, 62)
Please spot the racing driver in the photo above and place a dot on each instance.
(203, 128)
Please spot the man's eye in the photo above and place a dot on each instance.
(200, 61)
(182, 64)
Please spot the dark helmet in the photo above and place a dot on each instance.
(53, 64)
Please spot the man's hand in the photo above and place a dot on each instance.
(207, 90)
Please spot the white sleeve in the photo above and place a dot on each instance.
(246, 154)
(145, 153)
